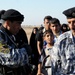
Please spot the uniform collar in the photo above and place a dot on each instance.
(71, 36)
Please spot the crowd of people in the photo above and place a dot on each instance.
(49, 51)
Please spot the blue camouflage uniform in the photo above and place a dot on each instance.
(11, 53)
(63, 55)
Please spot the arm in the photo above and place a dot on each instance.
(55, 57)
(39, 69)
(38, 47)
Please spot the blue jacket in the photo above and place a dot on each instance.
(12, 54)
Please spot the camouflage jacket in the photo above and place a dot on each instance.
(63, 55)
(10, 53)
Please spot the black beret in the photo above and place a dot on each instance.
(70, 13)
(12, 15)
(1, 13)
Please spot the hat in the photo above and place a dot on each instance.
(70, 13)
(1, 13)
(12, 15)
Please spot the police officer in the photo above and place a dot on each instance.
(13, 54)
(63, 55)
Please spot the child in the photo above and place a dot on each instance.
(55, 26)
(49, 38)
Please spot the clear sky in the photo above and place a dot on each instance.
(35, 10)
